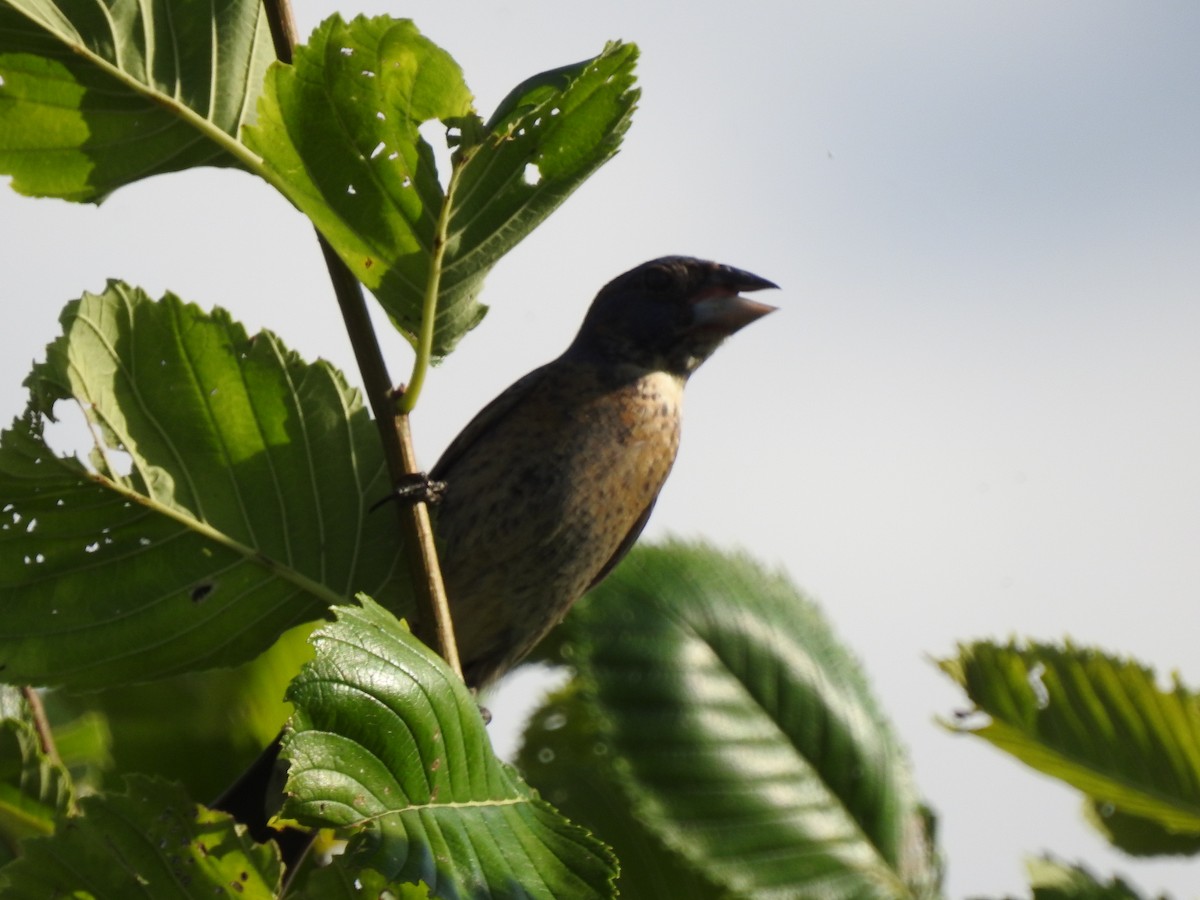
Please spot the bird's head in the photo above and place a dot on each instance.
(669, 314)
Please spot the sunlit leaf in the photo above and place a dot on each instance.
(338, 132)
(567, 757)
(742, 735)
(244, 512)
(1099, 723)
(95, 94)
(388, 740)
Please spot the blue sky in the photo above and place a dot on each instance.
(975, 414)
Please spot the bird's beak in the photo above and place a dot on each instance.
(719, 306)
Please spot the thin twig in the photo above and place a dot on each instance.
(398, 453)
(283, 28)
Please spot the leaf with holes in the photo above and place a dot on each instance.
(96, 95)
(740, 734)
(338, 132)
(388, 740)
(148, 841)
(1099, 723)
(244, 512)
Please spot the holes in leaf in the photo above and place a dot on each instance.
(350, 190)
(347, 51)
(120, 461)
(379, 148)
(380, 116)
(68, 434)
(532, 174)
(367, 73)
(434, 134)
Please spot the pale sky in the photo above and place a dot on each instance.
(975, 414)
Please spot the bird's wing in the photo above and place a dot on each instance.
(484, 421)
(625, 546)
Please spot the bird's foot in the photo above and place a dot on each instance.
(416, 487)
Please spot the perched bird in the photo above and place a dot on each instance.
(548, 487)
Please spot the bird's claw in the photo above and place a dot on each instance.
(416, 487)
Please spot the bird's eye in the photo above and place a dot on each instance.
(658, 279)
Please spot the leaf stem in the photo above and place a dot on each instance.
(424, 346)
(387, 405)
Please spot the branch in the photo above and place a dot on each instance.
(389, 409)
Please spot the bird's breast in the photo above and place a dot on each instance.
(544, 498)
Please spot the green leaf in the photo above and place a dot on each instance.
(566, 756)
(96, 95)
(1099, 723)
(150, 841)
(34, 788)
(386, 739)
(1054, 880)
(1139, 836)
(338, 134)
(742, 734)
(339, 881)
(201, 729)
(244, 513)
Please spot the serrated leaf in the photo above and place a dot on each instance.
(386, 739)
(1055, 880)
(1097, 722)
(566, 756)
(245, 511)
(745, 736)
(1139, 836)
(96, 95)
(34, 788)
(150, 841)
(338, 134)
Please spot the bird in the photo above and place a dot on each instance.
(548, 487)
